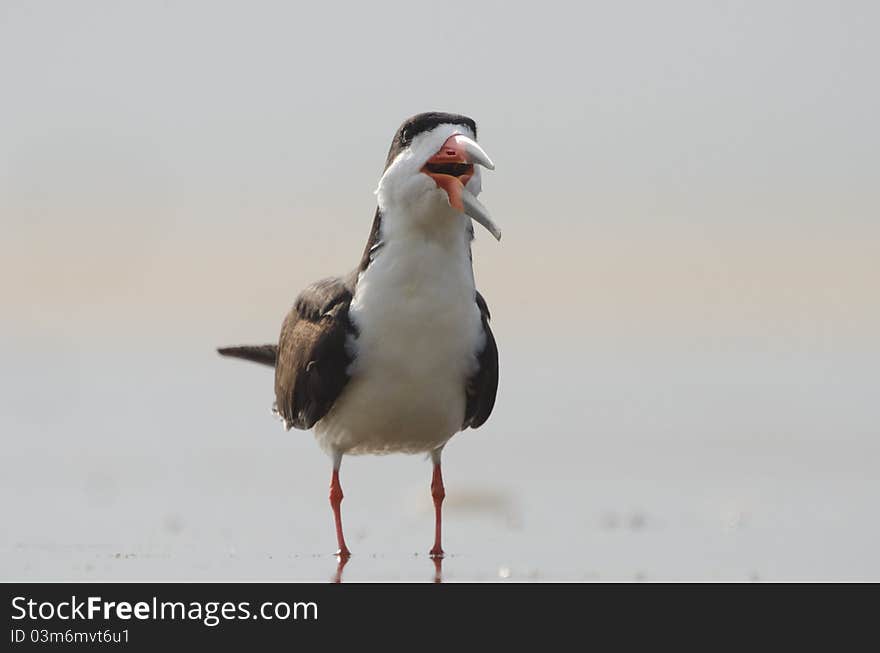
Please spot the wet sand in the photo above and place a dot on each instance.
(170, 467)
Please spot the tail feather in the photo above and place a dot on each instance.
(263, 354)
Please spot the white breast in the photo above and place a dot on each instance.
(419, 335)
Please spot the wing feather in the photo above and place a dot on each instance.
(312, 365)
(483, 385)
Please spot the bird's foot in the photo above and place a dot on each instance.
(436, 552)
(341, 561)
(343, 552)
(438, 569)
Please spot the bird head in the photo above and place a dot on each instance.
(433, 171)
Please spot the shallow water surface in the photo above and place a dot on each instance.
(169, 466)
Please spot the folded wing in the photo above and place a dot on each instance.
(483, 385)
(312, 361)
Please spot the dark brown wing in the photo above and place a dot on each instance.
(312, 365)
(483, 386)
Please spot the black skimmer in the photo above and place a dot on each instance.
(397, 356)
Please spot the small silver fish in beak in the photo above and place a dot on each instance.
(452, 167)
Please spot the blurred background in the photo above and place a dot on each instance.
(686, 297)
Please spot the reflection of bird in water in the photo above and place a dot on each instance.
(342, 560)
(398, 355)
(438, 569)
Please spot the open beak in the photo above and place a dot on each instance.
(452, 167)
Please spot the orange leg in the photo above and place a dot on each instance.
(438, 493)
(336, 503)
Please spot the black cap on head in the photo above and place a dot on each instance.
(423, 122)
